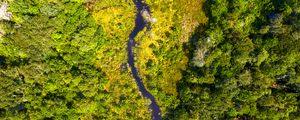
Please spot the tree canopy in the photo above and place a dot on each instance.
(201, 60)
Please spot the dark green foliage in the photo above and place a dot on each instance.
(245, 64)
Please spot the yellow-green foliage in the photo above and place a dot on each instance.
(159, 53)
(160, 56)
(117, 20)
(191, 15)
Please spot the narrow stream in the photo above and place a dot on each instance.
(140, 24)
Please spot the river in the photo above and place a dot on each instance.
(140, 24)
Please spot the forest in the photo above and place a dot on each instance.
(201, 60)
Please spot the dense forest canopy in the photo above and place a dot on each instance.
(201, 59)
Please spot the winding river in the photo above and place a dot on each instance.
(140, 24)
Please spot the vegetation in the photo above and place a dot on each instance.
(50, 66)
(213, 59)
(244, 64)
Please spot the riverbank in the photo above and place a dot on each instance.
(140, 23)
